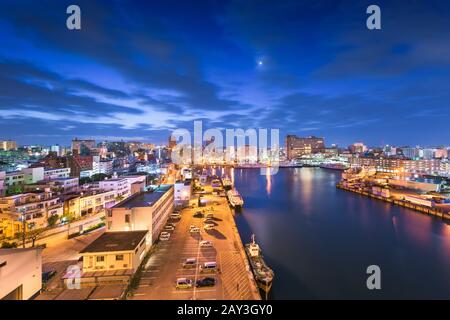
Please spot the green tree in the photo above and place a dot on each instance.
(85, 180)
(52, 220)
(99, 177)
(8, 245)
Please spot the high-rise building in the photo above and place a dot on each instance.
(82, 147)
(358, 147)
(8, 145)
(56, 149)
(411, 153)
(172, 142)
(297, 146)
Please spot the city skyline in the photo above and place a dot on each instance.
(138, 72)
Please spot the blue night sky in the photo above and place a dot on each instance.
(139, 69)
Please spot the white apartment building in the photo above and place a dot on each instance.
(33, 175)
(434, 166)
(20, 273)
(144, 211)
(120, 186)
(60, 173)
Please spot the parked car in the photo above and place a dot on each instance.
(175, 216)
(206, 243)
(194, 229)
(190, 263)
(47, 275)
(169, 227)
(208, 267)
(164, 236)
(183, 283)
(198, 214)
(208, 220)
(205, 282)
(208, 226)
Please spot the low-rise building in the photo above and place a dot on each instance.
(120, 186)
(60, 185)
(144, 211)
(35, 207)
(114, 251)
(87, 202)
(20, 273)
(58, 173)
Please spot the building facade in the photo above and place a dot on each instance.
(297, 146)
(144, 211)
(20, 273)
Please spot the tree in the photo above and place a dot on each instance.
(85, 180)
(8, 245)
(13, 190)
(33, 235)
(52, 220)
(99, 177)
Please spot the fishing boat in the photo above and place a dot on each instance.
(262, 273)
(227, 184)
(235, 198)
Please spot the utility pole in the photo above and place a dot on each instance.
(24, 224)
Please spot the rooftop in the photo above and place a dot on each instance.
(116, 241)
(144, 199)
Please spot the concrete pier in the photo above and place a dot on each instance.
(425, 210)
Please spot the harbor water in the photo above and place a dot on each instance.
(319, 240)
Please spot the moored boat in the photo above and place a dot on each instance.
(227, 184)
(262, 273)
(235, 198)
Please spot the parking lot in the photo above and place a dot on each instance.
(233, 280)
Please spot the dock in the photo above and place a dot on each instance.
(422, 209)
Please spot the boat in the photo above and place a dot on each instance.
(227, 183)
(334, 166)
(262, 273)
(289, 164)
(235, 198)
(215, 183)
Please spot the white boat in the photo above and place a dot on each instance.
(227, 184)
(334, 166)
(235, 198)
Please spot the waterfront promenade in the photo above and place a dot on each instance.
(234, 280)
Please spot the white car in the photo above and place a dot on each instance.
(208, 226)
(165, 237)
(183, 283)
(169, 227)
(194, 229)
(206, 243)
(175, 216)
(165, 233)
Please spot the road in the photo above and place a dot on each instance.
(233, 280)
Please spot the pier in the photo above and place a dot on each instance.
(423, 209)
